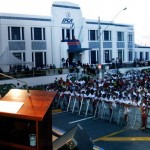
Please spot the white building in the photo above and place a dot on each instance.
(142, 52)
(45, 40)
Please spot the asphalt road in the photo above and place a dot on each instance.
(106, 135)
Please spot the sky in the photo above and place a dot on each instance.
(136, 14)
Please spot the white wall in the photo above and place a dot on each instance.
(34, 81)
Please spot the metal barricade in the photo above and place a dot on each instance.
(100, 106)
(137, 118)
(70, 103)
(92, 107)
(66, 101)
(121, 114)
(76, 105)
(105, 111)
(97, 108)
(114, 109)
(85, 102)
(134, 117)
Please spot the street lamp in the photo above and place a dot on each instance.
(99, 37)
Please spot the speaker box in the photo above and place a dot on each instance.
(75, 139)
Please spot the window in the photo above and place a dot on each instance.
(37, 33)
(63, 34)
(107, 35)
(68, 34)
(43, 33)
(107, 56)
(120, 36)
(130, 37)
(15, 33)
(141, 55)
(121, 54)
(93, 57)
(130, 55)
(135, 55)
(147, 55)
(93, 35)
(73, 37)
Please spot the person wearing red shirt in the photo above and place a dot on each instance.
(144, 115)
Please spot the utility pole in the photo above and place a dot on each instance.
(100, 45)
(100, 51)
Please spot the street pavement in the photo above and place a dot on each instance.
(106, 135)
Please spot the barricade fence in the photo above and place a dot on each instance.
(120, 113)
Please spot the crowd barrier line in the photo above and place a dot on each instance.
(102, 109)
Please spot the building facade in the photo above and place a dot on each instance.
(65, 35)
(142, 52)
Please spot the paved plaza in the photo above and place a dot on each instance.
(104, 134)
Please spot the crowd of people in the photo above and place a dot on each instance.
(129, 89)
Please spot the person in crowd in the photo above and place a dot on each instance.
(144, 110)
(126, 111)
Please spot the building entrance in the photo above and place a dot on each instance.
(75, 58)
(39, 59)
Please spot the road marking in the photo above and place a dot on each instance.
(54, 113)
(123, 139)
(98, 139)
(80, 120)
(115, 133)
(110, 138)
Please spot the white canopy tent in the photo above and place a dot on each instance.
(7, 59)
